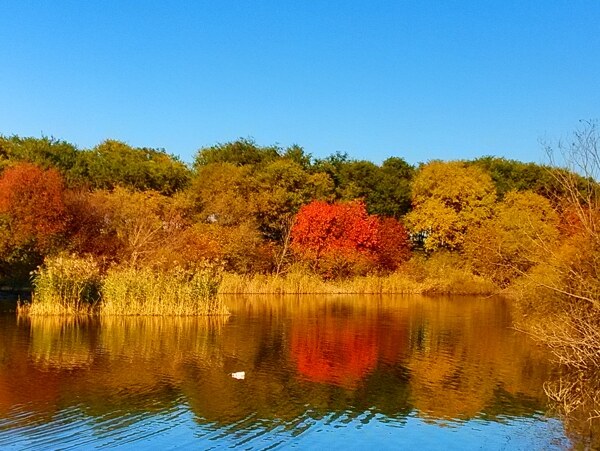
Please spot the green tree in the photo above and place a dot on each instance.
(511, 175)
(114, 163)
(282, 187)
(392, 196)
(385, 189)
(239, 153)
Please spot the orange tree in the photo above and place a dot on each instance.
(31, 200)
(32, 216)
(342, 239)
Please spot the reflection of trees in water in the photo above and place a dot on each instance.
(463, 365)
(575, 397)
(22, 384)
(316, 357)
(339, 351)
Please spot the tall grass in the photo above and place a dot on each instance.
(436, 275)
(68, 285)
(145, 291)
(65, 285)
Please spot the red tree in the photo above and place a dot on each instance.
(393, 244)
(343, 238)
(329, 233)
(32, 199)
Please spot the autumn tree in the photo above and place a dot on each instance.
(32, 217)
(564, 290)
(393, 244)
(448, 199)
(223, 193)
(335, 237)
(32, 201)
(135, 225)
(519, 236)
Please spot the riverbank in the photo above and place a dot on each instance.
(69, 285)
(460, 283)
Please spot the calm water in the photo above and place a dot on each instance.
(319, 372)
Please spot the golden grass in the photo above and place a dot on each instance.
(64, 285)
(419, 277)
(73, 286)
(133, 291)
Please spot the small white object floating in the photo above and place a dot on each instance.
(239, 375)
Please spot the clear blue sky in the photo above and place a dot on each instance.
(420, 80)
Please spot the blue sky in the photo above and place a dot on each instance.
(420, 80)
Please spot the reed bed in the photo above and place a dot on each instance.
(74, 286)
(144, 291)
(65, 286)
(452, 282)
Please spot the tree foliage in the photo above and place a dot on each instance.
(334, 233)
(342, 238)
(31, 199)
(518, 236)
(385, 189)
(32, 218)
(393, 244)
(114, 163)
(448, 199)
(238, 153)
(258, 208)
(45, 152)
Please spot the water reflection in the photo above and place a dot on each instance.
(310, 362)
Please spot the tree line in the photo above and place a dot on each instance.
(261, 209)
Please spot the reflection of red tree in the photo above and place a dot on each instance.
(36, 391)
(337, 351)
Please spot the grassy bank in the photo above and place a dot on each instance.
(75, 286)
(420, 276)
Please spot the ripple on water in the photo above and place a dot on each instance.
(361, 374)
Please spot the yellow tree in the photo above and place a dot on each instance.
(517, 238)
(448, 199)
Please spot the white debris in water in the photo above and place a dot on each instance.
(239, 375)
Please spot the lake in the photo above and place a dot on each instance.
(305, 372)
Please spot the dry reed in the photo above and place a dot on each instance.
(65, 285)
(144, 291)
(416, 278)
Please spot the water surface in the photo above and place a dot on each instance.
(342, 372)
